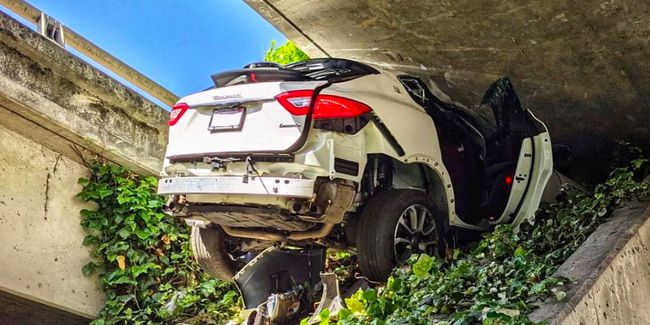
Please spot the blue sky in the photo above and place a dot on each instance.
(178, 44)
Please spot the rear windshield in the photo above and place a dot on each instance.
(316, 69)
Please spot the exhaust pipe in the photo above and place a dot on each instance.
(253, 234)
(312, 234)
(321, 232)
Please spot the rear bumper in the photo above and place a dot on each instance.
(237, 185)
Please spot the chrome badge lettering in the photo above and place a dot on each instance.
(229, 96)
(282, 125)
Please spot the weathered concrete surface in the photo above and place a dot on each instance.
(42, 254)
(54, 107)
(581, 66)
(44, 84)
(611, 271)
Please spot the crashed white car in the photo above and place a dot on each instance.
(337, 153)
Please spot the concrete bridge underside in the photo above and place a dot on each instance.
(583, 67)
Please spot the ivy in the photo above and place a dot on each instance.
(285, 54)
(499, 280)
(143, 257)
(144, 261)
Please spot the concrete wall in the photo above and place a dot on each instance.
(56, 111)
(41, 252)
(610, 274)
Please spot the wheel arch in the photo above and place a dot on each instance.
(416, 172)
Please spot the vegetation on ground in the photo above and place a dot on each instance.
(502, 278)
(144, 261)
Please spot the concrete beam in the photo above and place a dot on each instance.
(97, 54)
(582, 67)
(44, 84)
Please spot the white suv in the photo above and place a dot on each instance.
(337, 153)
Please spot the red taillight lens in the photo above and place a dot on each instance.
(296, 101)
(329, 106)
(177, 112)
(326, 107)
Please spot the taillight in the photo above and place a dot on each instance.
(296, 101)
(330, 107)
(177, 112)
(326, 107)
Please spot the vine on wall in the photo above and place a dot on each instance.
(143, 256)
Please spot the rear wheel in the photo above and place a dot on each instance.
(394, 225)
(209, 249)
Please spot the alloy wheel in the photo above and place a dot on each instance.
(415, 233)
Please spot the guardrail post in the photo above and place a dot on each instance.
(62, 35)
(50, 28)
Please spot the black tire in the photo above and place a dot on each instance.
(378, 229)
(209, 249)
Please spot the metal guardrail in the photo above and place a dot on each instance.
(57, 32)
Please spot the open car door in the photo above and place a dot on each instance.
(518, 161)
(498, 155)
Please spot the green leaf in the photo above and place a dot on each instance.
(344, 314)
(355, 306)
(89, 268)
(124, 233)
(369, 295)
(519, 252)
(99, 321)
(104, 192)
(229, 298)
(125, 298)
(456, 254)
(123, 280)
(324, 316)
(90, 240)
(142, 233)
(423, 265)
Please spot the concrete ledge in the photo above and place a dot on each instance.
(611, 271)
(18, 310)
(42, 83)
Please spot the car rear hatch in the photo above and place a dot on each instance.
(236, 120)
(243, 115)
